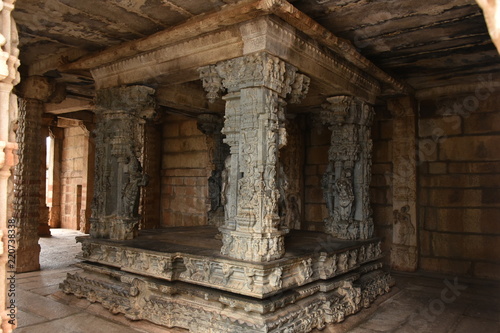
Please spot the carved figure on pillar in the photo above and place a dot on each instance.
(347, 178)
(344, 190)
(130, 192)
(257, 85)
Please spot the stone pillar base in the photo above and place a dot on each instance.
(201, 309)
(27, 259)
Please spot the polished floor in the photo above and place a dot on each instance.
(417, 303)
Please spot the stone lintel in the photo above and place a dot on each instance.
(68, 105)
(233, 15)
(255, 279)
(178, 62)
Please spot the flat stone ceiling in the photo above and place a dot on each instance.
(427, 45)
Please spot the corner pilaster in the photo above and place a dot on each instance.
(119, 138)
(404, 252)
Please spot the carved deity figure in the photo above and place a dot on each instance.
(225, 186)
(275, 277)
(293, 212)
(406, 228)
(214, 190)
(327, 184)
(130, 192)
(345, 194)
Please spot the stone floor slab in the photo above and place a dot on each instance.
(77, 323)
(43, 306)
(27, 319)
(467, 325)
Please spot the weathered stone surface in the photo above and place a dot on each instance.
(479, 148)
(122, 113)
(192, 307)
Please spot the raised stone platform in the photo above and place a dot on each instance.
(192, 255)
(204, 310)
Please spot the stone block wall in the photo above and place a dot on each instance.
(185, 171)
(460, 186)
(74, 159)
(316, 152)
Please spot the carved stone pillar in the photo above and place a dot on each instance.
(347, 178)
(29, 185)
(211, 125)
(121, 114)
(9, 77)
(404, 252)
(254, 127)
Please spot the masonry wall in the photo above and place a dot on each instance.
(74, 159)
(185, 170)
(459, 178)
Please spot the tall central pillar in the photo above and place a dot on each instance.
(254, 126)
(119, 138)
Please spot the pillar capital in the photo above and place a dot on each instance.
(259, 69)
(346, 110)
(36, 87)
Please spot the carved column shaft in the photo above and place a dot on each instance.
(347, 178)
(254, 127)
(29, 184)
(404, 251)
(119, 139)
(9, 77)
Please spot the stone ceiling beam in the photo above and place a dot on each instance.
(174, 54)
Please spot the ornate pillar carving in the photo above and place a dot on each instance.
(9, 77)
(404, 251)
(119, 136)
(347, 179)
(29, 185)
(257, 85)
(211, 125)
